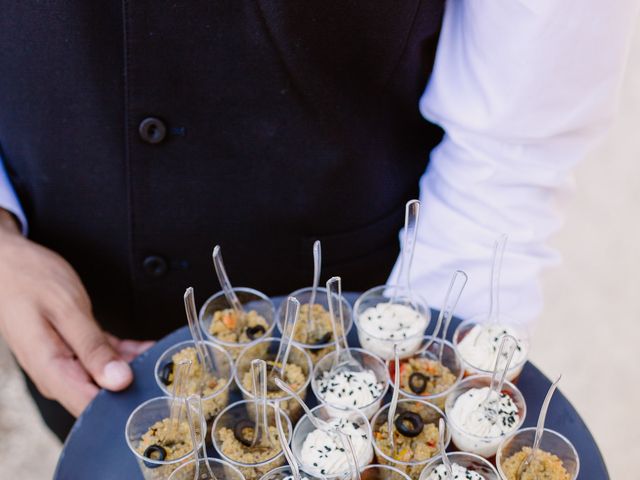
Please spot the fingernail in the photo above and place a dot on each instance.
(117, 373)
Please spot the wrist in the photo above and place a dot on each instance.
(8, 222)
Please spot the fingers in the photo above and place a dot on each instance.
(52, 365)
(92, 347)
(128, 349)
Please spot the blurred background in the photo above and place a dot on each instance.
(588, 331)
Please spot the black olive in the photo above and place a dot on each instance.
(238, 432)
(253, 332)
(326, 338)
(166, 372)
(154, 452)
(415, 421)
(418, 382)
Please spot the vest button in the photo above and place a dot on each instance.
(152, 130)
(154, 266)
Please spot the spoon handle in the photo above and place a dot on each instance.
(411, 215)
(394, 399)
(180, 373)
(448, 306)
(543, 415)
(441, 446)
(496, 269)
(223, 278)
(334, 290)
(288, 454)
(319, 424)
(508, 344)
(352, 458)
(192, 317)
(194, 403)
(458, 282)
(291, 315)
(259, 377)
(317, 265)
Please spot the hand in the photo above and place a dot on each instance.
(46, 318)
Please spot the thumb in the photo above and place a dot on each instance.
(92, 347)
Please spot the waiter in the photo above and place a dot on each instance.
(137, 134)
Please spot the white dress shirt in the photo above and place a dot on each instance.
(523, 90)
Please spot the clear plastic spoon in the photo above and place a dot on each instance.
(288, 454)
(344, 361)
(352, 458)
(411, 215)
(458, 282)
(496, 269)
(178, 393)
(261, 429)
(317, 266)
(443, 451)
(223, 278)
(499, 374)
(539, 429)
(202, 351)
(288, 328)
(195, 421)
(394, 399)
(317, 422)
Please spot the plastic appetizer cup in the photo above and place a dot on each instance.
(426, 437)
(257, 306)
(285, 473)
(155, 465)
(220, 469)
(485, 446)
(473, 463)
(552, 443)
(419, 378)
(382, 472)
(369, 362)
(478, 343)
(323, 333)
(381, 324)
(340, 465)
(218, 382)
(298, 375)
(225, 442)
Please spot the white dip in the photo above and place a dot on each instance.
(479, 429)
(480, 347)
(459, 473)
(350, 389)
(323, 454)
(386, 324)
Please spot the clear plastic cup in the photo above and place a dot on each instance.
(230, 451)
(369, 362)
(408, 340)
(220, 469)
(382, 472)
(487, 354)
(251, 300)
(364, 451)
(285, 473)
(551, 442)
(140, 421)
(316, 350)
(450, 359)
(266, 349)
(481, 445)
(217, 397)
(430, 415)
(471, 462)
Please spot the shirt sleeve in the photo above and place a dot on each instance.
(8, 198)
(523, 90)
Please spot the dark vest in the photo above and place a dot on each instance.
(286, 122)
